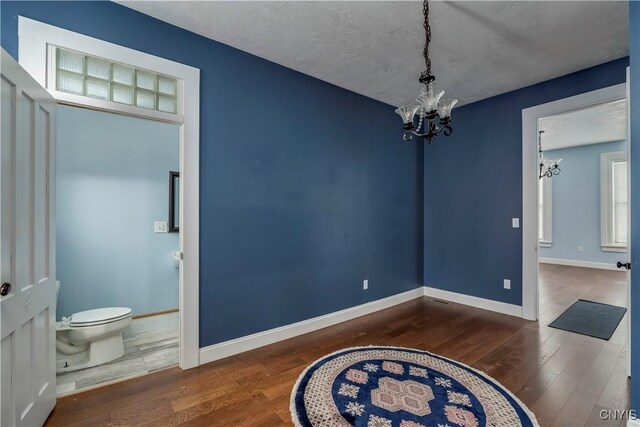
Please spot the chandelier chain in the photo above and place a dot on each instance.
(427, 32)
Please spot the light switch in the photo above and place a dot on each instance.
(160, 227)
(507, 284)
(515, 222)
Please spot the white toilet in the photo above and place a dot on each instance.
(91, 338)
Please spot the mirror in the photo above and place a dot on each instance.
(174, 202)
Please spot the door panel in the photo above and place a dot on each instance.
(629, 219)
(27, 249)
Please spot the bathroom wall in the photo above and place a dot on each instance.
(112, 184)
(576, 204)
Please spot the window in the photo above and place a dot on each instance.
(544, 212)
(100, 79)
(614, 201)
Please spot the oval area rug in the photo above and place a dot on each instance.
(401, 387)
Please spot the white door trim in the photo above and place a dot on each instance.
(530, 118)
(33, 40)
(629, 165)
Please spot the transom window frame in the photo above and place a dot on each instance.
(54, 53)
(41, 40)
(104, 105)
(607, 237)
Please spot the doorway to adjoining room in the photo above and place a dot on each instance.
(583, 220)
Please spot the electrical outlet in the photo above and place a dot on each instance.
(365, 284)
(507, 284)
(515, 222)
(580, 249)
(160, 227)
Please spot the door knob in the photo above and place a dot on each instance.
(626, 265)
(5, 289)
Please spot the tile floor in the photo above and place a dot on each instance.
(150, 344)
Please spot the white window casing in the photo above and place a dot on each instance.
(93, 89)
(613, 201)
(545, 221)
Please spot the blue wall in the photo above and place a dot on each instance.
(576, 204)
(473, 187)
(634, 52)
(112, 183)
(306, 188)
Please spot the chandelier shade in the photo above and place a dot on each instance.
(429, 98)
(445, 106)
(407, 112)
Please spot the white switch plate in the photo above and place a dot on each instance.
(515, 222)
(160, 227)
(507, 284)
(365, 284)
(580, 249)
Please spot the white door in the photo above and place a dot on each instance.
(27, 249)
(628, 260)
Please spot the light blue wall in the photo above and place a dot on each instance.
(112, 184)
(576, 204)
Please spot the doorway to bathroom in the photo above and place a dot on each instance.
(116, 249)
(88, 76)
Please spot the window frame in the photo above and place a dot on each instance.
(105, 105)
(607, 239)
(547, 207)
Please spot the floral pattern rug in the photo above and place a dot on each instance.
(401, 387)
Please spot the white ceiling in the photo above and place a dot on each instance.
(479, 48)
(600, 123)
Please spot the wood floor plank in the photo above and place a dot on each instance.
(565, 378)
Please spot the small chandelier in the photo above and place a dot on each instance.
(548, 167)
(428, 105)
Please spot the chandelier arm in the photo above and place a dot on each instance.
(431, 134)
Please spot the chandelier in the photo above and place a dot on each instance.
(428, 106)
(548, 167)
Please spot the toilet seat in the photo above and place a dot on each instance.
(99, 316)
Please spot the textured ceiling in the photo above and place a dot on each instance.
(479, 48)
(600, 123)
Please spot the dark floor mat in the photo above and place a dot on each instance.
(590, 318)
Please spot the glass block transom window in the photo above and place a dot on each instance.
(97, 78)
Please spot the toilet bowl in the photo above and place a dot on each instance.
(91, 338)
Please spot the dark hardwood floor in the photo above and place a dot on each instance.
(565, 378)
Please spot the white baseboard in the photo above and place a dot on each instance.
(250, 342)
(486, 304)
(576, 263)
